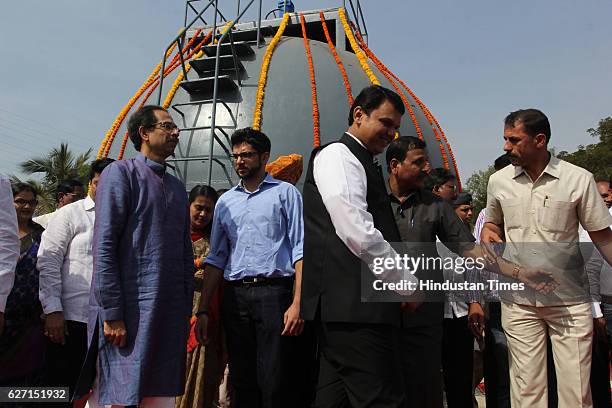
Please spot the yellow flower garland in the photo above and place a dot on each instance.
(119, 120)
(360, 56)
(263, 74)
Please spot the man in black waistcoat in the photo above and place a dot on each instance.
(348, 222)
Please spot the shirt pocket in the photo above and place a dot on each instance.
(557, 216)
(512, 210)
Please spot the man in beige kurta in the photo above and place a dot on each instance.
(537, 204)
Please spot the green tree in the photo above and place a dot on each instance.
(596, 157)
(477, 185)
(58, 165)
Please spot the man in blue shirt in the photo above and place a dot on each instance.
(256, 246)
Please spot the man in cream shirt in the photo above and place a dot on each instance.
(65, 264)
(537, 204)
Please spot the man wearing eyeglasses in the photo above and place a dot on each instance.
(68, 192)
(256, 248)
(142, 285)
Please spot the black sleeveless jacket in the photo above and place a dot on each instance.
(332, 277)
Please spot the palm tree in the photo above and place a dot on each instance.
(58, 165)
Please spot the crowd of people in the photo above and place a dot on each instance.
(136, 293)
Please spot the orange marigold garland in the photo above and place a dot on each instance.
(347, 84)
(263, 74)
(313, 86)
(385, 71)
(432, 120)
(117, 122)
(172, 66)
(181, 75)
(151, 85)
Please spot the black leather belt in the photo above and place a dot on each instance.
(261, 280)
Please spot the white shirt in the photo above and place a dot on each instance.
(9, 240)
(65, 260)
(603, 274)
(342, 183)
(43, 220)
(452, 308)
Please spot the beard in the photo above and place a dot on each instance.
(248, 172)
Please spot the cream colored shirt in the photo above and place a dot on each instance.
(540, 220)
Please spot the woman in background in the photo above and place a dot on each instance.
(205, 364)
(22, 343)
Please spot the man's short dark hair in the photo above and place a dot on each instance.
(97, 166)
(463, 198)
(67, 187)
(256, 138)
(438, 177)
(19, 187)
(603, 179)
(533, 120)
(372, 97)
(501, 162)
(401, 146)
(144, 116)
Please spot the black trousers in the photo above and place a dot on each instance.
(457, 362)
(259, 357)
(496, 366)
(63, 362)
(600, 374)
(359, 366)
(421, 349)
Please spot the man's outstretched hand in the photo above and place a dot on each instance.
(538, 279)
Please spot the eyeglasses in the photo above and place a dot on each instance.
(77, 195)
(450, 187)
(167, 126)
(20, 202)
(243, 155)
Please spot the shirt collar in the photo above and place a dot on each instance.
(158, 168)
(267, 180)
(88, 203)
(357, 140)
(412, 198)
(552, 168)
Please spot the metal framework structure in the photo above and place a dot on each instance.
(226, 53)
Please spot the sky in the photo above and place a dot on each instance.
(69, 66)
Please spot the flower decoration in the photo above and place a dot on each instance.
(119, 120)
(385, 71)
(362, 58)
(175, 63)
(332, 47)
(432, 120)
(313, 86)
(263, 74)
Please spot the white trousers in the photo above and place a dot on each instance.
(571, 333)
